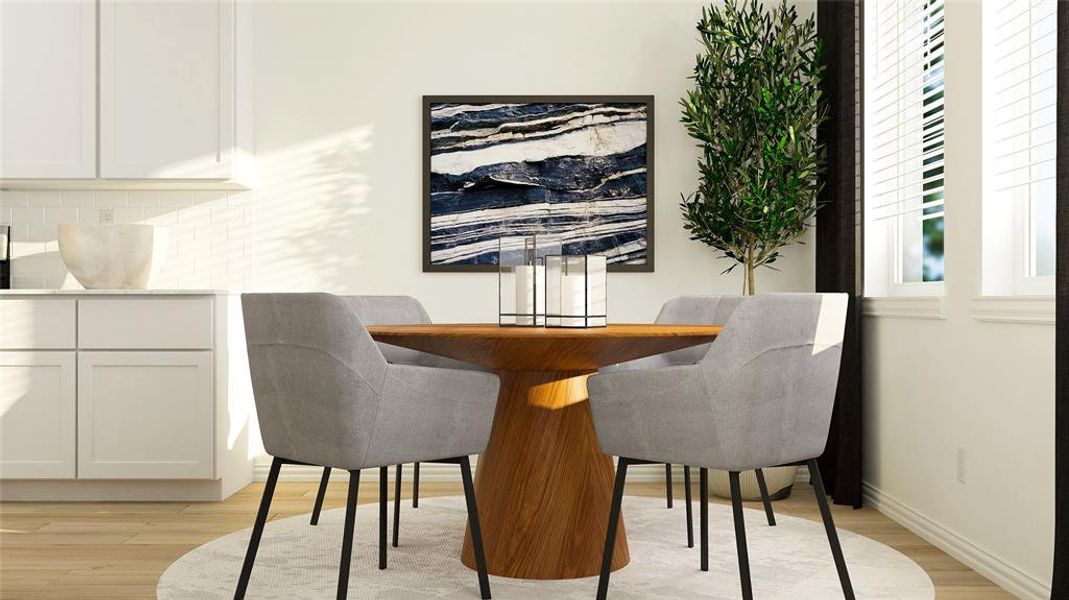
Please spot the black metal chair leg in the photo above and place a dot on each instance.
(690, 513)
(740, 536)
(614, 522)
(347, 534)
(384, 483)
(829, 527)
(765, 499)
(258, 528)
(703, 495)
(476, 530)
(320, 495)
(396, 506)
(668, 484)
(415, 485)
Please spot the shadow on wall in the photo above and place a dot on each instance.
(292, 231)
(309, 202)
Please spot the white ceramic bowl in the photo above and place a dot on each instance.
(113, 257)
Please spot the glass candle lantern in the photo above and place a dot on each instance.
(576, 290)
(521, 262)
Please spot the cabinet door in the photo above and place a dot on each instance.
(166, 89)
(145, 415)
(48, 78)
(37, 415)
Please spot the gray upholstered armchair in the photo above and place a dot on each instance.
(762, 396)
(391, 310)
(692, 310)
(326, 396)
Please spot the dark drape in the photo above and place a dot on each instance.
(839, 246)
(1060, 586)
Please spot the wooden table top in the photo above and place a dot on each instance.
(545, 348)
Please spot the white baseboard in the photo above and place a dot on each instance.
(1005, 575)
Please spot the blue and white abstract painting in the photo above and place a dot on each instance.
(576, 170)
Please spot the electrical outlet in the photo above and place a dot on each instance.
(960, 467)
(107, 215)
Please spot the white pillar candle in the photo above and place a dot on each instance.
(530, 293)
(573, 297)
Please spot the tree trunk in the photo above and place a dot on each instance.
(748, 284)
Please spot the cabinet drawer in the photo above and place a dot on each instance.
(36, 324)
(145, 323)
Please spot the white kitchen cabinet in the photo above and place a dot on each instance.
(166, 89)
(145, 415)
(124, 396)
(48, 78)
(161, 87)
(37, 415)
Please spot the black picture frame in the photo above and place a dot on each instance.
(429, 100)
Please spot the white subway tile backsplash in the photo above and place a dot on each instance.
(27, 214)
(132, 214)
(78, 199)
(110, 199)
(198, 213)
(89, 214)
(228, 214)
(143, 198)
(160, 215)
(9, 198)
(48, 198)
(61, 214)
(209, 235)
(176, 199)
(239, 231)
(41, 232)
(207, 232)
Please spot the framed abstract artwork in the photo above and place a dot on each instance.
(579, 168)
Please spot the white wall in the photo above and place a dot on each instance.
(338, 136)
(338, 207)
(935, 386)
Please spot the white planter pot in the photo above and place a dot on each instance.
(778, 479)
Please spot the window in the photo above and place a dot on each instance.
(904, 146)
(1020, 94)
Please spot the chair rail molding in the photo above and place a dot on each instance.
(905, 307)
(1035, 310)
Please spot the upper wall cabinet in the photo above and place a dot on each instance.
(166, 94)
(166, 89)
(48, 89)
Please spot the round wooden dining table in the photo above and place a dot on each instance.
(543, 486)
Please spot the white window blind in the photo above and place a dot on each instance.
(906, 142)
(1022, 80)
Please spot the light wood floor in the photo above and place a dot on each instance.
(114, 551)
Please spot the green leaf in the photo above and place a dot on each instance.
(754, 110)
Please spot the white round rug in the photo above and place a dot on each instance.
(298, 561)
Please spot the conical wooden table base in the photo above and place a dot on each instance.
(543, 486)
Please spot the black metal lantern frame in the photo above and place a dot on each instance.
(576, 290)
(521, 289)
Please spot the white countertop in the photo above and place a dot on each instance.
(57, 292)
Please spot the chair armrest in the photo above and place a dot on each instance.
(429, 413)
(644, 414)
